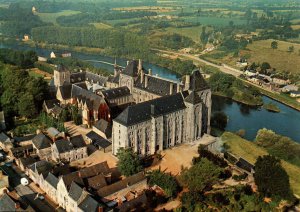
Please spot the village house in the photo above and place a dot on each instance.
(6, 143)
(38, 171)
(116, 192)
(289, 88)
(295, 94)
(70, 149)
(4, 183)
(42, 145)
(25, 162)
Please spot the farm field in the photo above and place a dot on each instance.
(250, 151)
(101, 25)
(215, 21)
(146, 8)
(51, 17)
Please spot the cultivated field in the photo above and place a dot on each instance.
(146, 8)
(250, 151)
(101, 25)
(51, 17)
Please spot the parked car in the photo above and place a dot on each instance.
(24, 181)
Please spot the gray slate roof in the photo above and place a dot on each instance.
(52, 180)
(41, 167)
(104, 126)
(193, 98)
(197, 82)
(156, 85)
(157, 107)
(131, 69)
(116, 93)
(3, 137)
(41, 141)
(6, 203)
(120, 185)
(50, 104)
(65, 91)
(63, 145)
(77, 141)
(89, 204)
(75, 191)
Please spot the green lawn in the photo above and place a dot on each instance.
(215, 21)
(101, 25)
(51, 17)
(250, 151)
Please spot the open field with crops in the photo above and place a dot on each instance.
(51, 17)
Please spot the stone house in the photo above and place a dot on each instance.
(6, 143)
(69, 150)
(42, 145)
(49, 185)
(103, 128)
(38, 171)
(4, 183)
(25, 162)
(134, 184)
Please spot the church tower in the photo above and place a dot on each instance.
(61, 76)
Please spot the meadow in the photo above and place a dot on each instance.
(250, 151)
(51, 17)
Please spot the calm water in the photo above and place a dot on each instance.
(287, 122)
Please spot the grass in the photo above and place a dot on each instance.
(280, 58)
(51, 17)
(101, 25)
(191, 32)
(250, 151)
(145, 8)
(215, 21)
(125, 20)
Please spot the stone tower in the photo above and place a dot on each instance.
(61, 76)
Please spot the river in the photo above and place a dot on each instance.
(287, 122)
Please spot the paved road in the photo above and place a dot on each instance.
(223, 68)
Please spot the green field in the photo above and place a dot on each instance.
(3, 5)
(250, 151)
(51, 17)
(118, 21)
(214, 21)
(101, 25)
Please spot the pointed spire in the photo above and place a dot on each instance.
(115, 64)
(140, 66)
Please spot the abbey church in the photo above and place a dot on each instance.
(154, 113)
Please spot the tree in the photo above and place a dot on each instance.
(129, 162)
(271, 179)
(26, 106)
(291, 49)
(274, 45)
(264, 66)
(200, 176)
(166, 181)
(219, 120)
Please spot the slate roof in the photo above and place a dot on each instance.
(74, 176)
(197, 82)
(28, 161)
(62, 170)
(97, 140)
(141, 200)
(63, 145)
(92, 100)
(114, 79)
(142, 112)
(41, 167)
(131, 69)
(77, 141)
(116, 93)
(120, 185)
(75, 191)
(56, 110)
(104, 126)
(52, 180)
(89, 204)
(193, 98)
(50, 104)
(97, 182)
(95, 78)
(6, 203)
(41, 141)
(53, 132)
(76, 77)
(242, 163)
(156, 85)
(65, 91)
(24, 138)
(3, 137)
(100, 168)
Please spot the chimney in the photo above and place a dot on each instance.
(150, 71)
(178, 88)
(152, 109)
(140, 66)
(146, 81)
(171, 88)
(187, 82)
(142, 76)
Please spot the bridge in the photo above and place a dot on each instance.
(104, 62)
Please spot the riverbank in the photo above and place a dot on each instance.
(247, 103)
(250, 151)
(271, 107)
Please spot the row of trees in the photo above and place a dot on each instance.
(23, 59)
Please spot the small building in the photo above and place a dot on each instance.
(38, 171)
(98, 141)
(52, 55)
(53, 133)
(42, 145)
(66, 54)
(24, 140)
(103, 128)
(245, 165)
(289, 88)
(42, 59)
(6, 142)
(25, 162)
(22, 151)
(295, 94)
(26, 37)
(117, 191)
(69, 149)
(4, 184)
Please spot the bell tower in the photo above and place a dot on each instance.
(61, 76)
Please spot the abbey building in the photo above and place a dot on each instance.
(153, 113)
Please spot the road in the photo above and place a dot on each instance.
(25, 192)
(223, 68)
